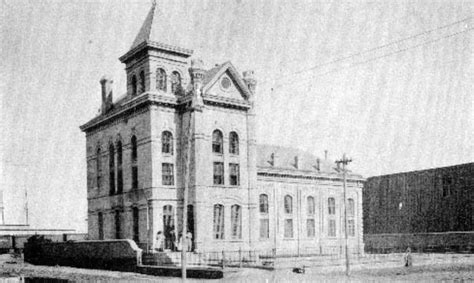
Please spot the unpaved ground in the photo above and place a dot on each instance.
(447, 270)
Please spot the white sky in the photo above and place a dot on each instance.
(401, 107)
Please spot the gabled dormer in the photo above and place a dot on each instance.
(157, 61)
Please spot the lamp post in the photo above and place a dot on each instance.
(344, 161)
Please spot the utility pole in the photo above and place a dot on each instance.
(344, 161)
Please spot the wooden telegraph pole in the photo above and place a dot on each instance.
(344, 161)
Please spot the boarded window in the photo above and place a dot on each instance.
(288, 204)
(332, 228)
(167, 174)
(218, 221)
(264, 228)
(167, 142)
(218, 173)
(310, 228)
(310, 204)
(236, 221)
(288, 228)
(234, 177)
(233, 143)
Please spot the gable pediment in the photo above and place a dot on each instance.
(227, 84)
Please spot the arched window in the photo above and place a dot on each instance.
(136, 225)
(288, 228)
(236, 221)
(134, 85)
(264, 217)
(99, 168)
(288, 204)
(134, 163)
(112, 169)
(119, 168)
(233, 143)
(167, 142)
(168, 226)
(176, 83)
(217, 142)
(160, 79)
(218, 222)
(331, 206)
(142, 82)
(310, 202)
(350, 217)
(263, 199)
(310, 222)
(350, 208)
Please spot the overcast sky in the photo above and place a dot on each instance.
(387, 82)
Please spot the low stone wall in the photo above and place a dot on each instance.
(421, 242)
(119, 255)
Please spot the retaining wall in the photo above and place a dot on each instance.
(119, 255)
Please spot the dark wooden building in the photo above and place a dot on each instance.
(426, 201)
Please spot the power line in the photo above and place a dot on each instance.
(370, 50)
(373, 59)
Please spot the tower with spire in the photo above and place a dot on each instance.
(137, 147)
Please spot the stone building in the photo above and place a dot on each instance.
(176, 115)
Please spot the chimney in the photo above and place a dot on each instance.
(196, 72)
(296, 162)
(318, 164)
(250, 81)
(107, 95)
(273, 159)
(326, 154)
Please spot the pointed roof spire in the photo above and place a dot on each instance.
(160, 30)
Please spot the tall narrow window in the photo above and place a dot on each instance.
(218, 221)
(310, 222)
(142, 82)
(234, 174)
(100, 222)
(264, 217)
(331, 217)
(136, 224)
(236, 221)
(176, 83)
(119, 168)
(288, 228)
(118, 226)
(217, 142)
(112, 169)
(218, 173)
(167, 142)
(167, 174)
(134, 85)
(350, 217)
(134, 163)
(233, 143)
(190, 219)
(99, 168)
(160, 79)
(168, 226)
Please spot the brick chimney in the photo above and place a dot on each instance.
(107, 94)
(196, 72)
(250, 80)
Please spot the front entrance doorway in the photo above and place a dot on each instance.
(168, 227)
